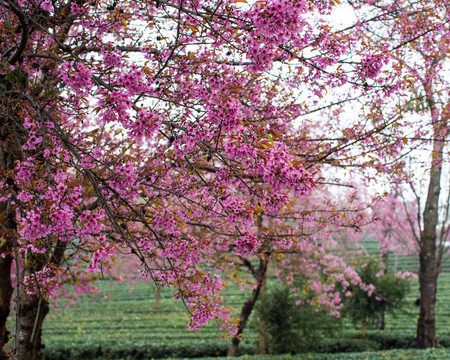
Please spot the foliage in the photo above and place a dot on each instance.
(291, 327)
(429, 354)
(141, 352)
(387, 293)
(333, 348)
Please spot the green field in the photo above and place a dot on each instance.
(430, 354)
(127, 321)
(129, 317)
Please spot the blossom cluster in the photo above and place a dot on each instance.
(371, 65)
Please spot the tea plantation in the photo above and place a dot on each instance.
(125, 326)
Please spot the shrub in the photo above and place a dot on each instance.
(90, 351)
(388, 295)
(291, 328)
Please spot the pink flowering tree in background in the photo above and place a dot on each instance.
(385, 292)
(296, 241)
(400, 222)
(417, 35)
(393, 233)
(167, 130)
(320, 254)
(393, 229)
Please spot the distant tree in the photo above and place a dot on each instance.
(416, 33)
(292, 325)
(385, 295)
(394, 235)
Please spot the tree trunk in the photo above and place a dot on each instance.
(5, 298)
(426, 325)
(245, 314)
(260, 275)
(381, 324)
(428, 271)
(31, 314)
(8, 228)
(262, 321)
(32, 309)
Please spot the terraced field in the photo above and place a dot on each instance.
(124, 317)
(128, 317)
(406, 319)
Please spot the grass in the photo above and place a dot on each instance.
(129, 315)
(126, 324)
(429, 354)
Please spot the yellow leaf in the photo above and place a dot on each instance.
(193, 28)
(147, 71)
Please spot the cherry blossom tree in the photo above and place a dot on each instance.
(400, 223)
(393, 229)
(386, 294)
(301, 240)
(417, 34)
(164, 130)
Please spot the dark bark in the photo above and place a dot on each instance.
(262, 322)
(381, 324)
(428, 271)
(426, 325)
(9, 153)
(245, 314)
(260, 275)
(32, 309)
(5, 298)
(31, 314)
